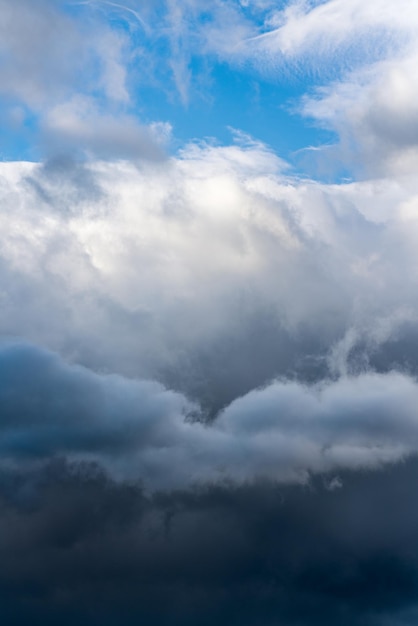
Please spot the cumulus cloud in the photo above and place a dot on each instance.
(272, 305)
(158, 269)
(140, 431)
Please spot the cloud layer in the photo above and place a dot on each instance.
(140, 431)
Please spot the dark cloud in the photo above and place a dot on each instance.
(49, 407)
(252, 354)
(77, 546)
(63, 184)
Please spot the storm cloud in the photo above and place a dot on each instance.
(76, 545)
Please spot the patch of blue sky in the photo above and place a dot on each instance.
(198, 93)
(19, 131)
(225, 98)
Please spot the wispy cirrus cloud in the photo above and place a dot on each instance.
(357, 31)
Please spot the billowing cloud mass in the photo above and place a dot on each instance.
(208, 347)
(214, 273)
(139, 430)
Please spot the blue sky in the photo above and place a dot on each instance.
(202, 69)
(219, 95)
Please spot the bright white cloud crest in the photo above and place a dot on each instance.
(145, 271)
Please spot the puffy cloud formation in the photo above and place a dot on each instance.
(141, 431)
(213, 265)
(216, 274)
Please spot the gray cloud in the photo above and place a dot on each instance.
(139, 430)
(78, 127)
(44, 49)
(50, 55)
(51, 408)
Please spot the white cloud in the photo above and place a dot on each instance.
(359, 52)
(140, 268)
(364, 54)
(320, 30)
(375, 114)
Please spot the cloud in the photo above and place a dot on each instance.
(141, 431)
(323, 29)
(49, 54)
(76, 545)
(208, 365)
(66, 80)
(76, 74)
(273, 304)
(356, 63)
(225, 270)
(100, 49)
(79, 127)
(49, 408)
(40, 46)
(375, 114)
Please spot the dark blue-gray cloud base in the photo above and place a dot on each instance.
(78, 547)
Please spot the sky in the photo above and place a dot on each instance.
(208, 312)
